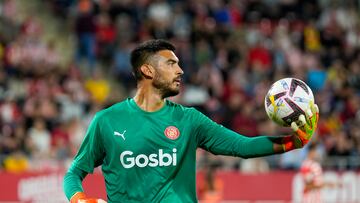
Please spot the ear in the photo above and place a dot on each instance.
(147, 71)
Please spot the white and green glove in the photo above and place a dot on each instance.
(303, 129)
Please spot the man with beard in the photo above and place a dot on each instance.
(147, 144)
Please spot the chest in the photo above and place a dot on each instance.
(312, 172)
(144, 134)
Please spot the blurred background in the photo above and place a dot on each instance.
(63, 60)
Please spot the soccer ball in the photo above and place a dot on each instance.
(287, 99)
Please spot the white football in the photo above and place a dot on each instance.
(287, 99)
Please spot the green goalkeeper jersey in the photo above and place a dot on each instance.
(150, 156)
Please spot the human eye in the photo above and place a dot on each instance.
(171, 63)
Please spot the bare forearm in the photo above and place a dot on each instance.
(312, 186)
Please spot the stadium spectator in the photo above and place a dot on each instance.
(39, 139)
(312, 174)
(16, 162)
(212, 188)
(85, 28)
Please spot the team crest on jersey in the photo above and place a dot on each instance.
(172, 132)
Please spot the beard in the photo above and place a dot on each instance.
(166, 88)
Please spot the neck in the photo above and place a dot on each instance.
(148, 99)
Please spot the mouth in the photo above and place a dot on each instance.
(177, 80)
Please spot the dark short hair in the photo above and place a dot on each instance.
(142, 54)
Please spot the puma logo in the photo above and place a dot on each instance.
(120, 134)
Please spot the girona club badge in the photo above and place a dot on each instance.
(172, 132)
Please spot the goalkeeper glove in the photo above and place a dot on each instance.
(80, 197)
(302, 132)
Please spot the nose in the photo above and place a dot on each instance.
(179, 71)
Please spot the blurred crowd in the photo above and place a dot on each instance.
(231, 52)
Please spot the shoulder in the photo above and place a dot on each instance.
(115, 109)
(181, 108)
(190, 114)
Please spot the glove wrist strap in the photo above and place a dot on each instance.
(287, 143)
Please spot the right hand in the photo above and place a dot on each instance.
(80, 197)
(91, 200)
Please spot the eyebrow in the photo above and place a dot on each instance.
(172, 60)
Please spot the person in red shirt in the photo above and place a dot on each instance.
(312, 174)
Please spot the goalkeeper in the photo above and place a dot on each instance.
(147, 144)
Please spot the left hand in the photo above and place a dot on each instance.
(303, 129)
